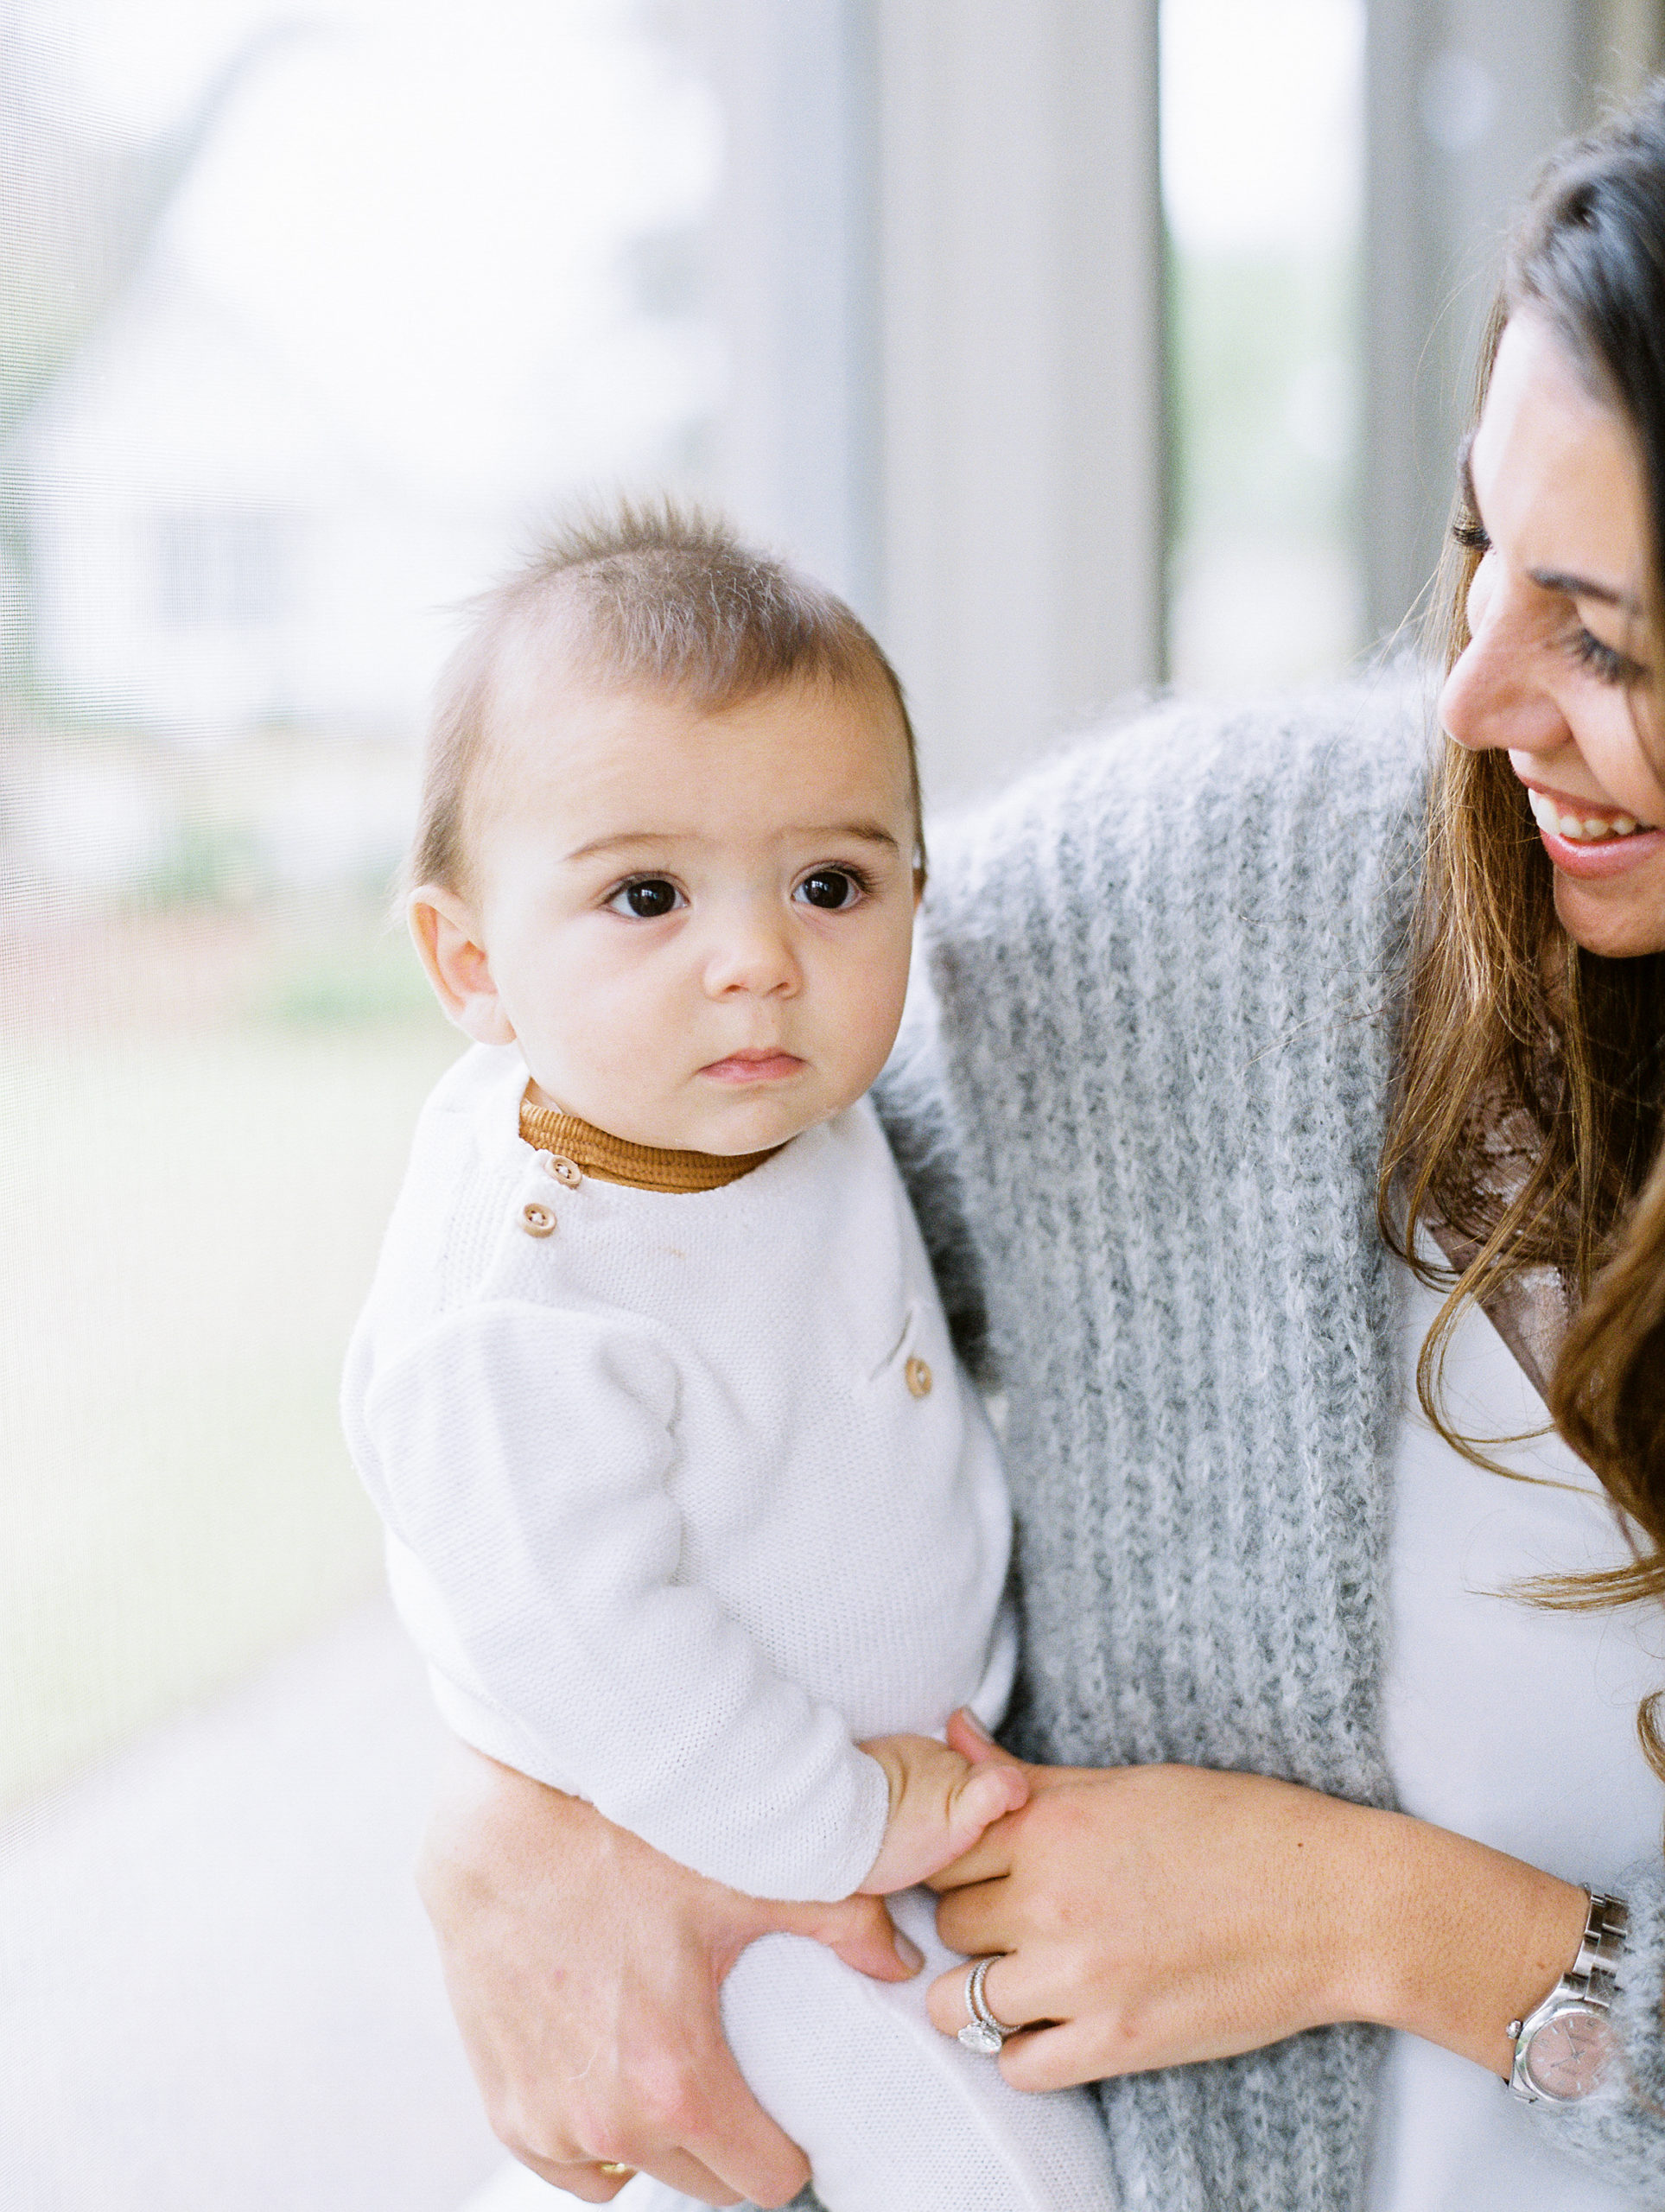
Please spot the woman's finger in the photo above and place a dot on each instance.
(744, 2154)
(593, 2186)
(1005, 1991)
(966, 1734)
(977, 1918)
(694, 2123)
(586, 2182)
(1053, 2058)
(858, 1929)
(990, 1859)
(636, 2147)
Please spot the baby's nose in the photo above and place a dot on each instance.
(750, 953)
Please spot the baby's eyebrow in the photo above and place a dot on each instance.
(625, 837)
(866, 833)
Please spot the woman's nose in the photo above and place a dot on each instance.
(1498, 693)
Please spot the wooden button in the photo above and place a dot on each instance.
(568, 1172)
(918, 1378)
(536, 1220)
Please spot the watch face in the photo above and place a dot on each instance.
(1568, 2056)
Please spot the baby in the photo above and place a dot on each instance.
(689, 1506)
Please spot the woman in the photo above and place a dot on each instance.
(1265, 1600)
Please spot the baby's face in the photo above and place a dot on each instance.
(697, 926)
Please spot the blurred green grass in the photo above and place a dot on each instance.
(188, 1220)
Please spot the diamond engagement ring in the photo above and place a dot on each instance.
(982, 2031)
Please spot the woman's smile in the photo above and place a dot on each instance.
(1588, 838)
(1582, 820)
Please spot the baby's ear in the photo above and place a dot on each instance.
(448, 938)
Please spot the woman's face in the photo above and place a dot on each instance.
(1561, 668)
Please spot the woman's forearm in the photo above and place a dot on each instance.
(1449, 1940)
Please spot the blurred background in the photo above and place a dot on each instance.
(1085, 346)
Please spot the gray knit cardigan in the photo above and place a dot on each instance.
(1143, 1129)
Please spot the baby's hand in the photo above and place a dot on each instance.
(939, 1805)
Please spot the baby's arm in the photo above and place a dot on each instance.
(939, 1805)
(523, 1457)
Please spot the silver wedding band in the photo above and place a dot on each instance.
(982, 2031)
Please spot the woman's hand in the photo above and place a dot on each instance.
(1157, 1916)
(585, 1971)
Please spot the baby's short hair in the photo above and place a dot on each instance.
(655, 594)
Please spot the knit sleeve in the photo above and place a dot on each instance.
(1621, 2129)
(911, 1098)
(510, 1436)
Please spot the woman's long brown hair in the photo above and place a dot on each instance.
(1505, 1015)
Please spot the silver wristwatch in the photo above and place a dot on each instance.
(1561, 2049)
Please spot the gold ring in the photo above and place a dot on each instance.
(615, 2171)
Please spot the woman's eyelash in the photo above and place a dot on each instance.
(1605, 662)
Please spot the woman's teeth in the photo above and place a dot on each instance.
(1581, 829)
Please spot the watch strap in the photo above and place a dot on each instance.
(1589, 1984)
(1597, 1964)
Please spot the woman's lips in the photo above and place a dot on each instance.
(1611, 856)
(753, 1067)
(1589, 840)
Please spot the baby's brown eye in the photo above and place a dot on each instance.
(829, 889)
(647, 898)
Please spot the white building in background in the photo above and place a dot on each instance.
(215, 556)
